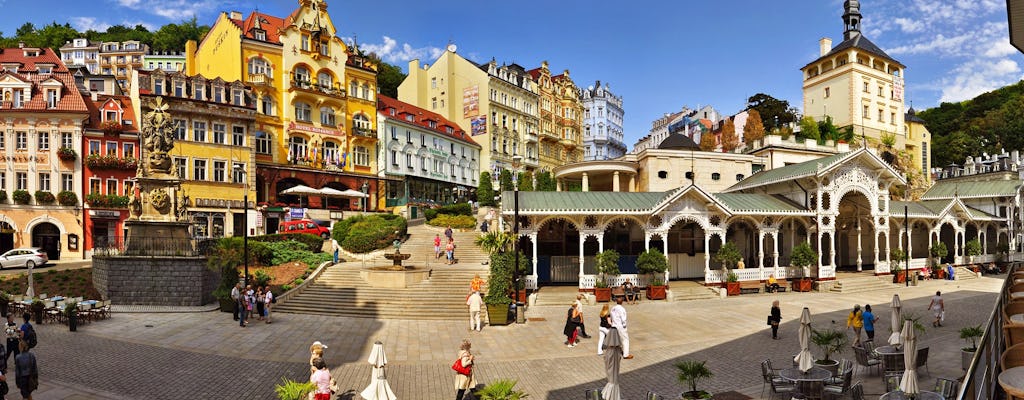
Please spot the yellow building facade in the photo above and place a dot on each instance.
(361, 118)
(561, 114)
(918, 143)
(498, 105)
(212, 154)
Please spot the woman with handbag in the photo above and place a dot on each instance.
(774, 318)
(572, 323)
(463, 370)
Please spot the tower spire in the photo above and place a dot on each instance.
(851, 19)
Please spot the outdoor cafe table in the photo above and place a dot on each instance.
(1012, 381)
(813, 374)
(899, 395)
(892, 358)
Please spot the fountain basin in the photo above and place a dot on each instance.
(388, 277)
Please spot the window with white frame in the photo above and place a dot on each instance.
(327, 116)
(324, 80)
(297, 147)
(237, 135)
(301, 75)
(3, 180)
(237, 98)
(303, 112)
(259, 66)
(238, 173)
(179, 129)
(158, 87)
(220, 133)
(220, 171)
(198, 91)
(360, 121)
(95, 186)
(94, 147)
(44, 181)
(199, 131)
(44, 140)
(21, 140)
(199, 170)
(66, 140)
(128, 150)
(267, 105)
(362, 156)
(181, 165)
(111, 148)
(262, 142)
(21, 181)
(112, 187)
(67, 182)
(331, 152)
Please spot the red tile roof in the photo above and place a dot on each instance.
(421, 117)
(269, 23)
(125, 103)
(71, 100)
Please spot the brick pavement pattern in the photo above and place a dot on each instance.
(207, 356)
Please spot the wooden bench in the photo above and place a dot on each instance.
(783, 285)
(750, 287)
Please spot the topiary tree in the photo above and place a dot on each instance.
(485, 192)
(545, 183)
(505, 180)
(728, 255)
(526, 181)
(607, 264)
(652, 262)
(803, 256)
(938, 251)
(973, 247)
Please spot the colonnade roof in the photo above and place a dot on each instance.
(972, 189)
(789, 172)
(934, 209)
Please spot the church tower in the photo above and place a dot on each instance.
(859, 87)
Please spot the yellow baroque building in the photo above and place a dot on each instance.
(560, 118)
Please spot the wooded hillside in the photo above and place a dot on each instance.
(991, 122)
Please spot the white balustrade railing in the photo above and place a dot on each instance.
(590, 281)
(918, 263)
(826, 271)
(531, 282)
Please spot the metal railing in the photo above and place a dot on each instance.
(981, 381)
(136, 246)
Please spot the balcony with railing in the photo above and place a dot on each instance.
(364, 132)
(983, 380)
(531, 137)
(260, 80)
(331, 89)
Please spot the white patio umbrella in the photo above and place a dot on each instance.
(353, 193)
(612, 361)
(379, 388)
(804, 359)
(301, 190)
(909, 383)
(896, 320)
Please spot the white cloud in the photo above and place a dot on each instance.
(174, 10)
(392, 52)
(83, 24)
(908, 25)
(979, 76)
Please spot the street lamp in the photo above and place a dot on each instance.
(245, 220)
(516, 163)
(366, 191)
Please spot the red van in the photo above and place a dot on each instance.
(304, 226)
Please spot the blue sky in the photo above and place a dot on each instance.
(659, 55)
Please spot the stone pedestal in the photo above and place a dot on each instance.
(161, 281)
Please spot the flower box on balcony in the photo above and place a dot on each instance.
(21, 197)
(67, 154)
(67, 198)
(44, 197)
(100, 162)
(111, 128)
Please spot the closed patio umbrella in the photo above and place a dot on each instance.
(896, 320)
(804, 359)
(909, 383)
(612, 359)
(379, 388)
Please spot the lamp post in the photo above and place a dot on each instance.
(245, 221)
(516, 162)
(366, 191)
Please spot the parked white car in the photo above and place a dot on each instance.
(24, 257)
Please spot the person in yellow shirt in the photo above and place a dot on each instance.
(773, 284)
(476, 283)
(855, 321)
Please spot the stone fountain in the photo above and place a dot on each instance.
(157, 262)
(396, 275)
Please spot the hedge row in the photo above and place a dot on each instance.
(452, 209)
(456, 221)
(366, 233)
(312, 242)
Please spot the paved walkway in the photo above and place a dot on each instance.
(206, 355)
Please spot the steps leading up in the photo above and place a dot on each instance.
(861, 284)
(556, 295)
(689, 290)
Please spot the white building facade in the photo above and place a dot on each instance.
(81, 52)
(602, 123)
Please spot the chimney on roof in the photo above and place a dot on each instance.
(825, 45)
(21, 45)
(235, 15)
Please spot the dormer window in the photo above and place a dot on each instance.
(31, 53)
(52, 97)
(158, 87)
(432, 124)
(199, 92)
(110, 116)
(236, 97)
(179, 89)
(259, 34)
(409, 118)
(218, 94)
(45, 70)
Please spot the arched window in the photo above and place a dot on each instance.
(324, 80)
(360, 121)
(366, 92)
(327, 116)
(260, 66)
(303, 112)
(297, 148)
(331, 154)
(301, 76)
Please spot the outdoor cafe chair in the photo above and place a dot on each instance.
(892, 381)
(1013, 334)
(653, 396)
(857, 391)
(840, 390)
(768, 376)
(946, 387)
(811, 389)
(1013, 356)
(592, 394)
(922, 360)
(863, 360)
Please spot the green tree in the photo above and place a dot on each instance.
(388, 78)
(545, 183)
(770, 108)
(753, 129)
(505, 180)
(652, 262)
(526, 181)
(25, 29)
(54, 35)
(808, 129)
(803, 256)
(484, 192)
(172, 37)
(728, 255)
(729, 139)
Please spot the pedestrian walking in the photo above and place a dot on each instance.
(476, 284)
(336, 248)
(437, 246)
(464, 373)
(869, 322)
(13, 335)
(235, 293)
(449, 251)
(582, 324)
(316, 350)
(605, 325)
(774, 319)
(268, 301)
(28, 332)
(240, 305)
(572, 322)
(26, 371)
(855, 321)
(321, 377)
(618, 314)
(260, 299)
(938, 308)
(475, 303)
(448, 233)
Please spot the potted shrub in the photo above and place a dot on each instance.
(690, 374)
(37, 310)
(897, 256)
(938, 251)
(803, 257)
(67, 198)
(829, 341)
(969, 334)
(502, 389)
(653, 263)
(732, 284)
(499, 289)
(67, 154)
(71, 311)
(607, 264)
(292, 390)
(972, 248)
(897, 274)
(44, 197)
(21, 197)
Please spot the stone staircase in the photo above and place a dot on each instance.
(340, 290)
(556, 295)
(861, 284)
(689, 290)
(964, 274)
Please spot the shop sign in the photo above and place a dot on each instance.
(104, 214)
(73, 242)
(313, 129)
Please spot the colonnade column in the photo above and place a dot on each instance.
(778, 249)
(615, 181)
(984, 242)
(832, 249)
(707, 253)
(664, 245)
(533, 239)
(875, 233)
(558, 185)
(760, 249)
(586, 182)
(860, 266)
(583, 238)
(632, 183)
(600, 242)
(647, 240)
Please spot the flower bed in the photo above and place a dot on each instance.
(100, 162)
(107, 201)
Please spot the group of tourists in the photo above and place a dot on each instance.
(449, 246)
(324, 384)
(608, 319)
(20, 342)
(250, 302)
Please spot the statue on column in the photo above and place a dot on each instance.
(158, 139)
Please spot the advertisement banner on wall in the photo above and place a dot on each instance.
(897, 88)
(470, 101)
(478, 125)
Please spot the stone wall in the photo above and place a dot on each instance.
(163, 281)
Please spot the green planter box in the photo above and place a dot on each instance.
(498, 314)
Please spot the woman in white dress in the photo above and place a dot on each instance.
(938, 307)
